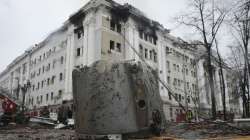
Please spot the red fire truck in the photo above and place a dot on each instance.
(9, 108)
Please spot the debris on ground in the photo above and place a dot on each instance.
(34, 132)
(42, 120)
(204, 130)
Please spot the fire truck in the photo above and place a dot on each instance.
(8, 107)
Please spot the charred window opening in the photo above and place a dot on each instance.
(120, 13)
(112, 25)
(78, 51)
(146, 37)
(142, 104)
(79, 35)
(115, 26)
(141, 34)
(112, 45)
(118, 47)
(79, 31)
(119, 28)
(77, 18)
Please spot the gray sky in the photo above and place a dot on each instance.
(26, 22)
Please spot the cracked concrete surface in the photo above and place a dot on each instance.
(116, 98)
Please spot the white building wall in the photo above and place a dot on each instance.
(90, 44)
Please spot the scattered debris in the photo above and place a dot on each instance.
(42, 120)
(204, 130)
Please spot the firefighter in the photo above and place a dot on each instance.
(189, 116)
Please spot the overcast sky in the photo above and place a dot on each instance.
(26, 22)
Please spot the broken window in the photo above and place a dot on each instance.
(61, 77)
(168, 79)
(112, 45)
(51, 95)
(118, 46)
(179, 97)
(150, 54)
(146, 37)
(52, 79)
(48, 67)
(119, 28)
(41, 99)
(155, 57)
(146, 53)
(167, 50)
(141, 49)
(141, 34)
(79, 32)
(155, 41)
(78, 51)
(171, 112)
(188, 99)
(150, 39)
(60, 93)
(112, 25)
(79, 35)
(48, 81)
(37, 99)
(24, 68)
(42, 83)
(62, 59)
(43, 69)
(175, 81)
(40, 58)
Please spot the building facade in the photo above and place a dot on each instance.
(106, 30)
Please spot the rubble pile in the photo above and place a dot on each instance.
(204, 130)
(38, 132)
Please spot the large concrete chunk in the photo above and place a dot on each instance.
(116, 99)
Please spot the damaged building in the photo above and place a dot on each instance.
(106, 30)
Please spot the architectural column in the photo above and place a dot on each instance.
(131, 41)
(69, 64)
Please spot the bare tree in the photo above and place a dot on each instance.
(241, 27)
(206, 19)
(236, 61)
(222, 80)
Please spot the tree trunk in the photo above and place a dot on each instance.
(222, 82)
(211, 83)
